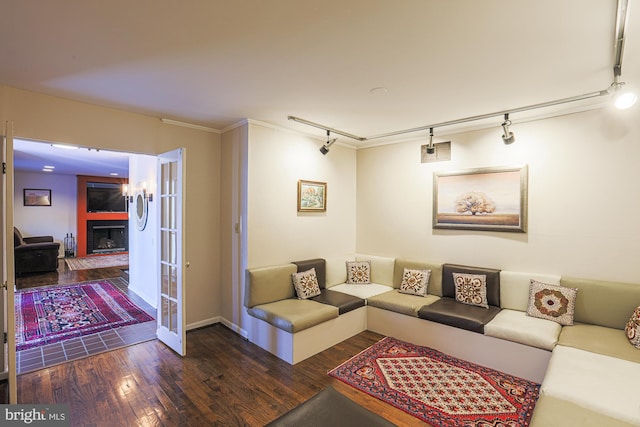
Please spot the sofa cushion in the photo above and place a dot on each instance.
(381, 268)
(306, 284)
(294, 315)
(320, 266)
(344, 302)
(358, 272)
(551, 302)
(493, 281)
(604, 303)
(516, 326)
(471, 289)
(434, 287)
(269, 284)
(400, 302)
(601, 383)
(514, 288)
(599, 339)
(633, 328)
(336, 271)
(554, 412)
(362, 291)
(450, 312)
(414, 282)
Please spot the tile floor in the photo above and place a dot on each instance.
(76, 348)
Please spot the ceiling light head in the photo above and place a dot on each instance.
(431, 148)
(325, 148)
(622, 99)
(508, 137)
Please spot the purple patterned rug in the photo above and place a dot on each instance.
(437, 388)
(54, 314)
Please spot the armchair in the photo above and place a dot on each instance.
(34, 254)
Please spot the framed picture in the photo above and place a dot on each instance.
(492, 199)
(312, 196)
(36, 197)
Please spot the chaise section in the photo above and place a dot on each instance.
(453, 313)
(599, 339)
(583, 380)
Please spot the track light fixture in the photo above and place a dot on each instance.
(431, 148)
(325, 148)
(508, 137)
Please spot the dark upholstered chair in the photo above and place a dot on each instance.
(34, 254)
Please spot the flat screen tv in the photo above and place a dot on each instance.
(105, 197)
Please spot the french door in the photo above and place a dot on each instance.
(171, 316)
(8, 267)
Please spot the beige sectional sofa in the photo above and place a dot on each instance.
(588, 372)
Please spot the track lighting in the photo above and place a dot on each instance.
(325, 148)
(508, 137)
(621, 99)
(431, 148)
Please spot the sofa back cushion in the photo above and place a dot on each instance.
(381, 268)
(269, 284)
(514, 288)
(319, 264)
(336, 270)
(434, 286)
(603, 303)
(493, 281)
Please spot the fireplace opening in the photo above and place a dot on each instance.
(107, 236)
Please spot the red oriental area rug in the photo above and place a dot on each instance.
(437, 388)
(45, 316)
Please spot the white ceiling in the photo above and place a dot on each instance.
(215, 62)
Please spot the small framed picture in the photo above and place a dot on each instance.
(312, 196)
(37, 197)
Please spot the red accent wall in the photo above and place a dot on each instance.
(84, 216)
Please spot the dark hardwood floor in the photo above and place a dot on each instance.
(64, 276)
(224, 380)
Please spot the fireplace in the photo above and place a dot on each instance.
(107, 236)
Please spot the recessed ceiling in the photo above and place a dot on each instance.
(29, 156)
(214, 63)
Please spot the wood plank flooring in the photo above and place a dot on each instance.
(223, 381)
(64, 276)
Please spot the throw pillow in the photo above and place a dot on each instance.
(359, 272)
(552, 302)
(471, 289)
(414, 282)
(306, 284)
(633, 328)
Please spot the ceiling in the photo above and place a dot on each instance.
(214, 63)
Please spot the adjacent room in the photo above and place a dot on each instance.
(348, 213)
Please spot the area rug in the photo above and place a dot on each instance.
(437, 388)
(98, 261)
(60, 313)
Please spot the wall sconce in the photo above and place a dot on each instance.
(125, 193)
(143, 190)
(148, 196)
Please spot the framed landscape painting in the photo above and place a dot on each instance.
(36, 197)
(491, 199)
(312, 196)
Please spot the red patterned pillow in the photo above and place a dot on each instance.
(633, 328)
(306, 284)
(414, 282)
(552, 302)
(471, 289)
(359, 272)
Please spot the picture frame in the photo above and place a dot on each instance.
(312, 196)
(36, 197)
(488, 199)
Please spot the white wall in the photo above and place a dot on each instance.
(143, 245)
(56, 220)
(277, 232)
(584, 188)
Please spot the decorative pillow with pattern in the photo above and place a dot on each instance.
(359, 272)
(414, 282)
(306, 284)
(471, 289)
(633, 328)
(552, 302)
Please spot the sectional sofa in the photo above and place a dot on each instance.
(589, 371)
